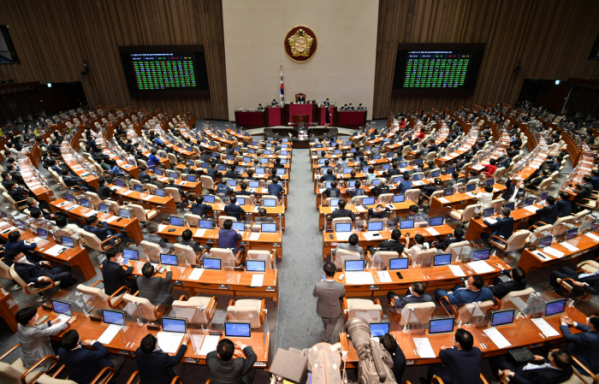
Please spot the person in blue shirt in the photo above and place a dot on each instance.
(329, 176)
(153, 160)
(357, 190)
(583, 345)
(82, 364)
(473, 291)
(234, 210)
(114, 169)
(223, 190)
(274, 189)
(101, 230)
(228, 238)
(404, 185)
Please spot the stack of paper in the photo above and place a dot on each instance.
(55, 250)
(432, 231)
(553, 252)
(457, 270)
(544, 326)
(592, 236)
(90, 213)
(196, 274)
(360, 208)
(496, 337)
(109, 334)
(443, 200)
(169, 341)
(209, 344)
(372, 236)
(359, 278)
(490, 220)
(531, 208)
(342, 236)
(200, 232)
(481, 267)
(111, 219)
(384, 276)
(161, 227)
(569, 246)
(257, 280)
(424, 348)
(255, 236)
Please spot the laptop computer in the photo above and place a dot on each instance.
(238, 330)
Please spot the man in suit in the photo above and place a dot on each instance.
(404, 185)
(328, 307)
(228, 238)
(275, 189)
(18, 194)
(514, 191)
(32, 271)
(583, 345)
(212, 171)
(548, 214)
(234, 210)
(583, 282)
(397, 355)
(415, 295)
(458, 235)
(342, 212)
(101, 230)
(231, 173)
(82, 364)
(352, 246)
(153, 237)
(154, 365)
(156, 289)
(583, 191)
(381, 189)
(15, 243)
(329, 176)
(564, 206)
(114, 275)
(517, 282)
(186, 239)
(393, 244)
(333, 191)
(461, 362)
(503, 227)
(199, 208)
(103, 191)
(473, 291)
(556, 369)
(223, 369)
(72, 181)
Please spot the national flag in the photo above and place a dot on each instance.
(282, 87)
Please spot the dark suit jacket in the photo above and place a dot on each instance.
(19, 246)
(391, 245)
(213, 172)
(31, 272)
(234, 210)
(114, 276)
(463, 367)
(584, 192)
(157, 367)
(104, 192)
(200, 209)
(84, 364)
(329, 293)
(400, 303)
(101, 231)
(541, 375)
(342, 213)
(228, 238)
(503, 227)
(583, 345)
(500, 290)
(156, 289)
(229, 372)
(564, 208)
(548, 214)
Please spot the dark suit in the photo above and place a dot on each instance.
(114, 277)
(548, 214)
(531, 376)
(342, 213)
(404, 186)
(19, 246)
(84, 364)
(446, 242)
(461, 367)
(235, 211)
(584, 192)
(408, 299)
(234, 371)
(592, 281)
(328, 306)
(157, 367)
(583, 346)
(564, 208)
(104, 192)
(200, 209)
(31, 272)
(391, 245)
(102, 230)
(503, 227)
(156, 289)
(500, 289)
(228, 238)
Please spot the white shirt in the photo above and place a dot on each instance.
(531, 366)
(513, 197)
(485, 199)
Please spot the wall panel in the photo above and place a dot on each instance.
(550, 38)
(54, 37)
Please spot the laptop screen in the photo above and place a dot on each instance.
(470, 187)
(206, 224)
(131, 254)
(435, 173)
(103, 208)
(269, 202)
(177, 221)
(354, 265)
(399, 198)
(113, 317)
(440, 325)
(84, 203)
(376, 181)
(502, 317)
(379, 329)
(491, 182)
(343, 227)
(170, 324)
(241, 201)
(158, 171)
(174, 175)
(69, 197)
(440, 260)
(510, 206)
(191, 178)
(448, 192)
(67, 241)
(572, 233)
(210, 263)
(488, 212)
(232, 183)
(406, 224)
(137, 188)
(254, 184)
(61, 307)
(237, 330)
(482, 254)
(120, 183)
(545, 241)
(125, 213)
(418, 176)
(368, 201)
(529, 201)
(269, 227)
(555, 306)
(398, 263)
(41, 232)
(436, 221)
(209, 199)
(255, 265)
(168, 259)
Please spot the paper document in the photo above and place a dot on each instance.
(470, 194)
(90, 213)
(63, 319)
(196, 274)
(111, 219)
(496, 337)
(544, 326)
(569, 246)
(490, 220)
(257, 280)
(109, 334)
(200, 232)
(553, 252)
(56, 250)
(342, 236)
(372, 236)
(481, 267)
(384, 276)
(360, 208)
(359, 278)
(457, 270)
(418, 183)
(255, 236)
(169, 341)
(126, 192)
(424, 348)
(432, 231)
(148, 197)
(161, 227)
(444, 201)
(531, 208)
(592, 236)
(209, 344)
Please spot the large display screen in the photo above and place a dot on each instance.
(443, 69)
(165, 71)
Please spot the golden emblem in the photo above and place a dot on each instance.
(300, 43)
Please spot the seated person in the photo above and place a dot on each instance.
(234, 210)
(485, 198)
(419, 246)
(114, 275)
(342, 212)
(414, 214)
(381, 189)
(474, 290)
(223, 369)
(262, 217)
(397, 355)
(199, 208)
(405, 184)
(171, 184)
(548, 214)
(333, 191)
(564, 206)
(155, 288)
(186, 239)
(351, 245)
(490, 168)
(503, 226)
(415, 294)
(357, 190)
(461, 363)
(228, 238)
(458, 235)
(329, 176)
(274, 189)
(33, 272)
(18, 194)
(583, 345)
(243, 190)
(153, 237)
(428, 190)
(379, 212)
(15, 244)
(83, 364)
(101, 229)
(154, 365)
(231, 173)
(556, 369)
(517, 282)
(534, 183)
(583, 282)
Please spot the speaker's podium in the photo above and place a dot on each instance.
(301, 111)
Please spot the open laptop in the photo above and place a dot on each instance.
(211, 263)
(255, 265)
(436, 221)
(399, 263)
(441, 260)
(505, 317)
(238, 330)
(555, 307)
(110, 316)
(354, 265)
(268, 228)
(439, 325)
(130, 254)
(177, 221)
(482, 254)
(205, 224)
(379, 329)
(166, 259)
(125, 213)
(172, 324)
(68, 241)
(62, 307)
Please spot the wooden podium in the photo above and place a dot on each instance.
(298, 119)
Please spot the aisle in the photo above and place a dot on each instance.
(298, 325)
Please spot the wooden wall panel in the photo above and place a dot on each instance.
(54, 37)
(550, 38)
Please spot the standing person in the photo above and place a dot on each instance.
(154, 365)
(223, 369)
(35, 340)
(328, 307)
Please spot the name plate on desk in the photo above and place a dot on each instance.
(190, 360)
(259, 364)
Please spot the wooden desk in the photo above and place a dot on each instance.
(8, 310)
(277, 213)
(477, 226)
(359, 210)
(463, 199)
(80, 213)
(78, 257)
(77, 169)
(164, 205)
(35, 186)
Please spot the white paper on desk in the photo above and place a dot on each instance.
(481, 266)
(531, 208)
(490, 220)
(457, 270)
(342, 236)
(443, 200)
(127, 192)
(196, 274)
(161, 227)
(169, 341)
(360, 208)
(541, 255)
(424, 348)
(63, 319)
(109, 334)
(200, 232)
(497, 338)
(384, 276)
(147, 197)
(359, 278)
(544, 326)
(372, 236)
(257, 280)
(553, 252)
(209, 344)
(592, 236)
(255, 236)
(6, 231)
(111, 219)
(55, 250)
(91, 213)
(570, 247)
(418, 183)
(470, 194)
(432, 231)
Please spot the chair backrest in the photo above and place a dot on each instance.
(92, 241)
(222, 218)
(342, 255)
(191, 311)
(474, 311)
(191, 219)
(364, 308)
(261, 255)
(412, 195)
(95, 199)
(425, 257)
(497, 204)
(469, 212)
(340, 220)
(580, 215)
(15, 276)
(10, 201)
(268, 197)
(417, 313)
(113, 206)
(357, 200)
(145, 309)
(517, 240)
(4, 270)
(545, 184)
(207, 182)
(246, 310)
(557, 226)
(385, 198)
(221, 253)
(185, 254)
(151, 250)
(174, 193)
(381, 258)
(457, 248)
(138, 212)
(513, 295)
